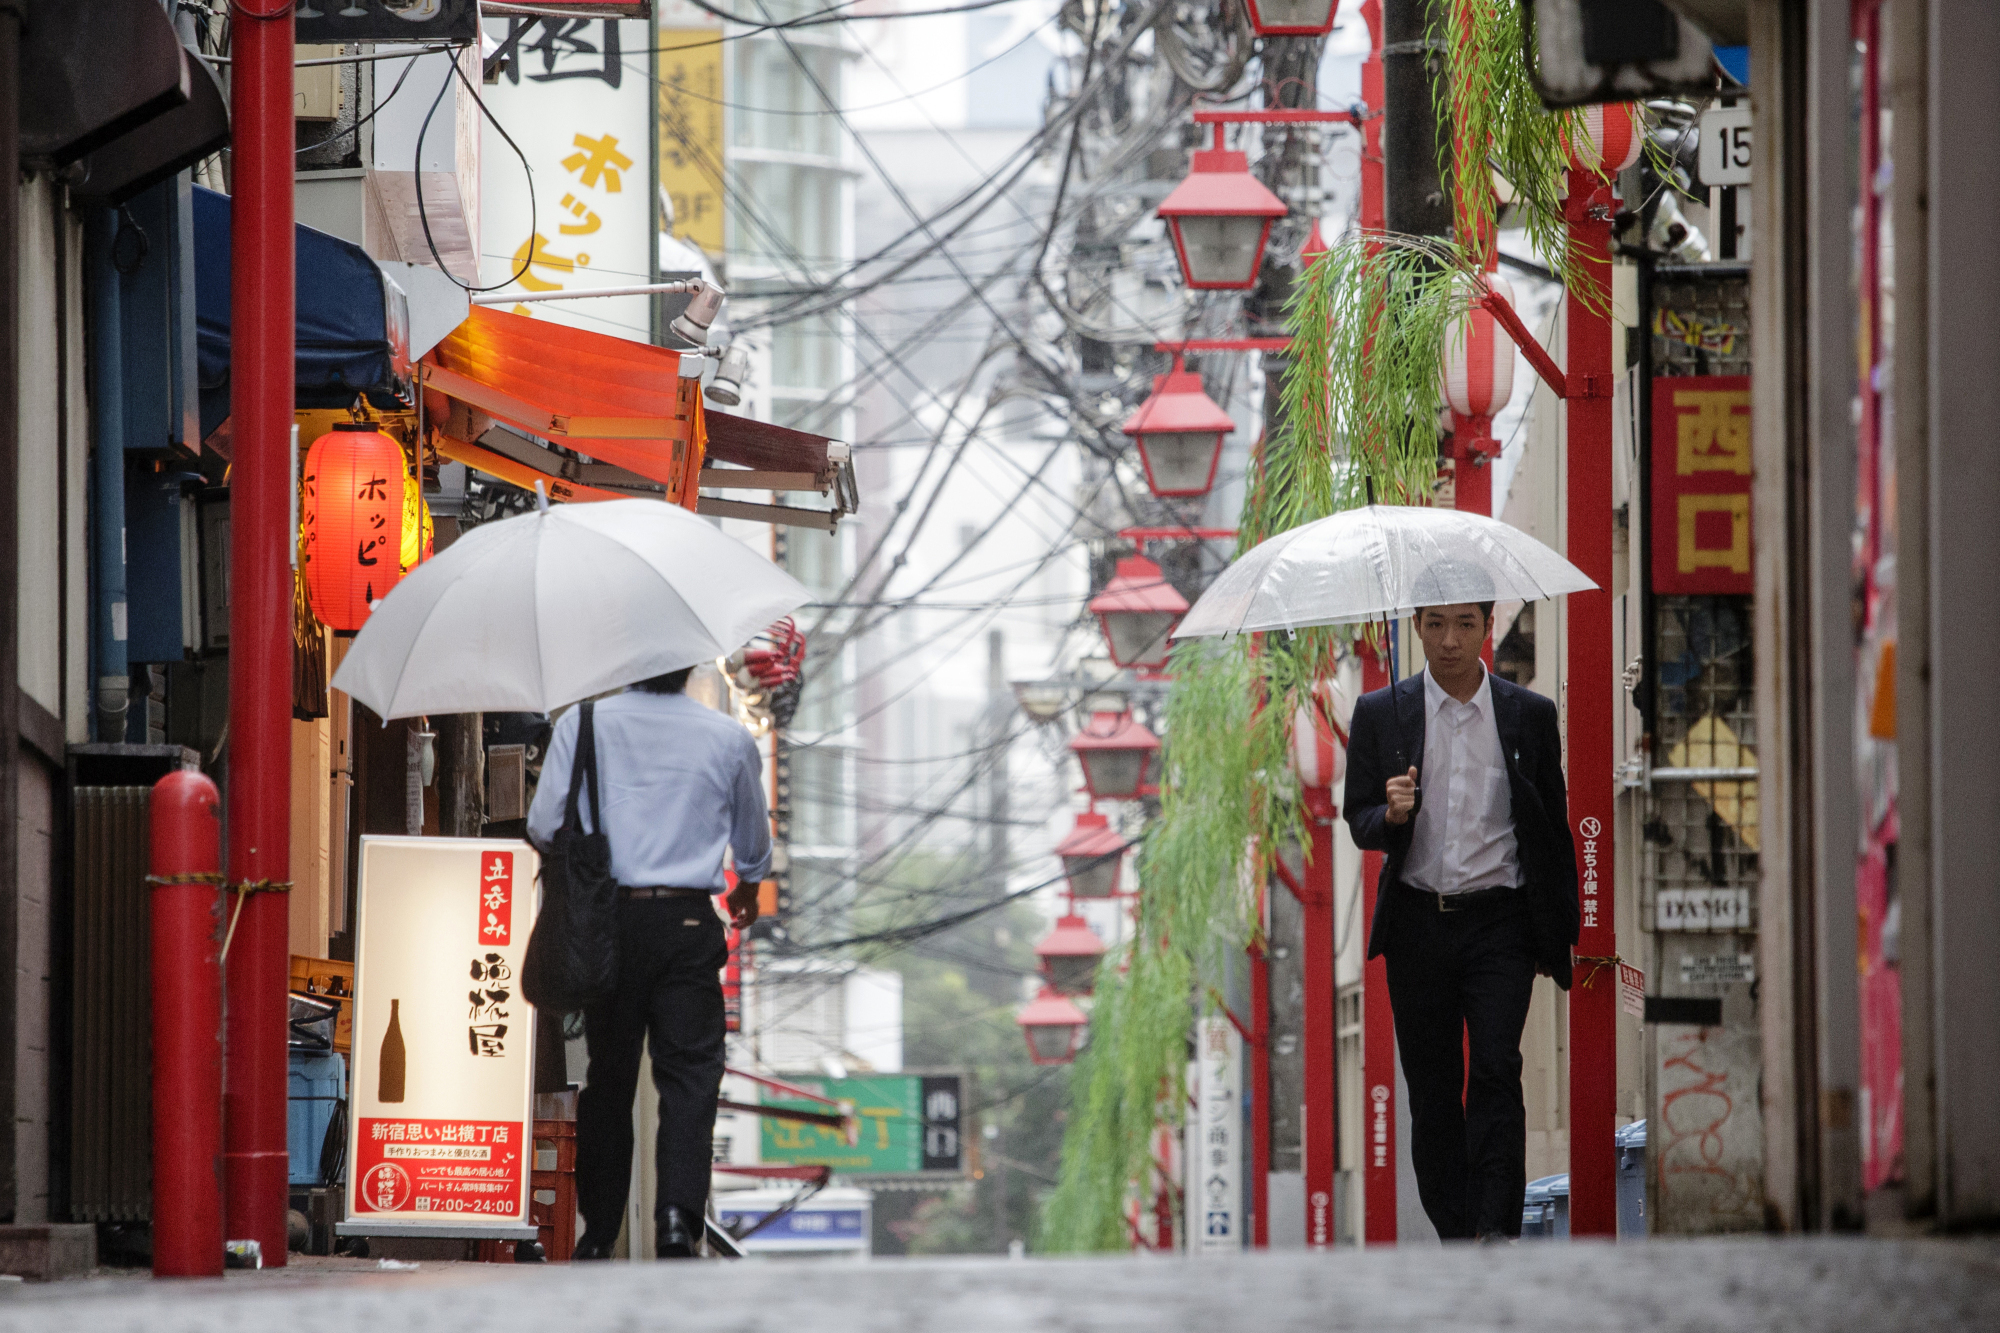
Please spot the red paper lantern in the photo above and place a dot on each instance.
(352, 514)
(1479, 359)
(1179, 432)
(1219, 219)
(1610, 140)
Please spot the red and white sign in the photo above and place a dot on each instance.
(1701, 484)
(443, 1066)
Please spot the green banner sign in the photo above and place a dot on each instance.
(908, 1124)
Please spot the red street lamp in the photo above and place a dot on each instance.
(1219, 218)
(1291, 18)
(1114, 751)
(1137, 610)
(1069, 956)
(1179, 432)
(1054, 1027)
(1093, 855)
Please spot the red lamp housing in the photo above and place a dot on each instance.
(1179, 432)
(1054, 1027)
(352, 514)
(1137, 610)
(1093, 856)
(1069, 955)
(1219, 218)
(1292, 18)
(1114, 750)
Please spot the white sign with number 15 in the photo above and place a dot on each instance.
(1725, 146)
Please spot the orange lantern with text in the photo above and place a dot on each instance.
(352, 513)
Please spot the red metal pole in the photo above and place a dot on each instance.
(1320, 1144)
(1587, 691)
(1378, 1029)
(260, 619)
(186, 818)
(1260, 1091)
(1378, 1044)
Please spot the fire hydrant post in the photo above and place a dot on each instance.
(186, 858)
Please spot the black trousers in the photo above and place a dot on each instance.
(1457, 979)
(671, 952)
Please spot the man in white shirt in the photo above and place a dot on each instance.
(680, 785)
(1457, 776)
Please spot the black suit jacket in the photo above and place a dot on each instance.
(1386, 740)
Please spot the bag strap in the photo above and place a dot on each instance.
(582, 762)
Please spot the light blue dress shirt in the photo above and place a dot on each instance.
(679, 781)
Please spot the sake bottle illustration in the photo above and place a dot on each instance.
(389, 1082)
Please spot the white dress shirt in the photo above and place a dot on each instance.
(679, 783)
(1464, 835)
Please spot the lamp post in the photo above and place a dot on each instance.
(1179, 431)
(1054, 1027)
(1137, 610)
(1093, 857)
(1069, 955)
(1219, 218)
(1114, 750)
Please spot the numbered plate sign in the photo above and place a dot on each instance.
(1725, 146)
(442, 1083)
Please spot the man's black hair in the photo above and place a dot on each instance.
(1485, 608)
(673, 682)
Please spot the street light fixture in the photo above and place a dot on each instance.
(1054, 1027)
(1043, 701)
(1069, 955)
(1114, 751)
(1292, 18)
(1093, 856)
(1137, 610)
(1219, 219)
(1179, 432)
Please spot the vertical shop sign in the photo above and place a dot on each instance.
(576, 96)
(1215, 1162)
(443, 1056)
(1701, 484)
(691, 142)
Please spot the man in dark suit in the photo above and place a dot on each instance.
(1457, 776)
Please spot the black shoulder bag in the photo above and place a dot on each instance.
(572, 958)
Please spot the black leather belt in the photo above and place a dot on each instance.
(1459, 902)
(642, 892)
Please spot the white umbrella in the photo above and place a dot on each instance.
(530, 613)
(1376, 562)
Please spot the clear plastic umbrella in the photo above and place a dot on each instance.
(1374, 563)
(530, 613)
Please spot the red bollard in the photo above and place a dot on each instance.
(186, 816)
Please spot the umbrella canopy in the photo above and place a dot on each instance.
(531, 613)
(1375, 562)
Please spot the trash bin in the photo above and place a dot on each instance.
(1545, 1209)
(1631, 1142)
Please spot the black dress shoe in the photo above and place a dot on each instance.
(588, 1249)
(676, 1238)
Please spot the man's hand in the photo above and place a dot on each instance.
(1402, 798)
(742, 901)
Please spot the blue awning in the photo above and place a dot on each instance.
(352, 320)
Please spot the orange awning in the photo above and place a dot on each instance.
(613, 399)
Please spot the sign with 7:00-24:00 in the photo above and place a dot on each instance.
(910, 1125)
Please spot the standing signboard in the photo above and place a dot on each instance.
(910, 1125)
(1215, 1147)
(443, 1050)
(576, 96)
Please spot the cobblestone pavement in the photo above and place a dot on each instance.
(1686, 1286)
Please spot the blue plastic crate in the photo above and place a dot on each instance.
(317, 1084)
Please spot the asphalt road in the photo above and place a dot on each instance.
(1694, 1286)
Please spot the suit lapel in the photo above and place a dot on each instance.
(1506, 718)
(1410, 722)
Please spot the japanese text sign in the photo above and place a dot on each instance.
(1702, 479)
(443, 1058)
(910, 1124)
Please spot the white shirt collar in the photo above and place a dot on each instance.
(1436, 698)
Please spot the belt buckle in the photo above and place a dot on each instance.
(1445, 903)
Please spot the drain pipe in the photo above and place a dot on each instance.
(107, 480)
